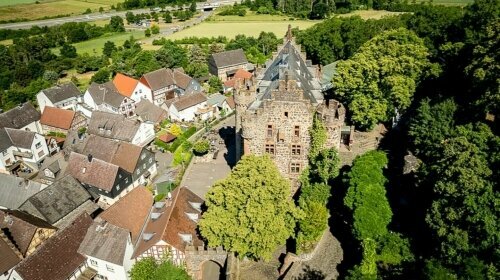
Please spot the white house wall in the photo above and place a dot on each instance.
(43, 101)
(87, 99)
(187, 114)
(144, 135)
(141, 91)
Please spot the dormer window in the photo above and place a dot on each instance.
(155, 216)
(159, 204)
(147, 236)
(193, 217)
(187, 238)
(196, 205)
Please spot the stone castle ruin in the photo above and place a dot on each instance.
(276, 106)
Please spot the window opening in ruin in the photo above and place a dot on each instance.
(270, 149)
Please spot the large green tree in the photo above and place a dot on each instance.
(382, 76)
(251, 211)
(150, 269)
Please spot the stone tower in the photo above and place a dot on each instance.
(275, 112)
(244, 95)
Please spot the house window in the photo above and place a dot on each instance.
(150, 160)
(117, 187)
(138, 171)
(269, 130)
(270, 149)
(143, 156)
(110, 268)
(126, 180)
(41, 153)
(296, 131)
(93, 263)
(286, 114)
(38, 145)
(294, 168)
(4, 153)
(296, 150)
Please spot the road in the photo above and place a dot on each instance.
(94, 16)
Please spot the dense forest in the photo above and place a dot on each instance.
(436, 69)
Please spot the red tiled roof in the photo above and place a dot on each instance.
(230, 101)
(167, 137)
(242, 74)
(56, 117)
(124, 84)
(131, 211)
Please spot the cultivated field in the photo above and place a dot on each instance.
(48, 8)
(231, 29)
(369, 14)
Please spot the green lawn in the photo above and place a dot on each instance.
(231, 29)
(95, 46)
(450, 2)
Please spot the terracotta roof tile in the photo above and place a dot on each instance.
(131, 211)
(56, 117)
(125, 84)
(173, 221)
(57, 258)
(230, 102)
(167, 137)
(242, 74)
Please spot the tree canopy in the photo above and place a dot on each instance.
(149, 269)
(250, 212)
(382, 76)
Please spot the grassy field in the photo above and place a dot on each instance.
(231, 29)
(95, 46)
(29, 10)
(369, 14)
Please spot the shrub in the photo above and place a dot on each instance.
(201, 147)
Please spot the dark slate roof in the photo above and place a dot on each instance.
(150, 112)
(105, 93)
(57, 258)
(10, 255)
(159, 79)
(19, 116)
(61, 92)
(229, 58)
(14, 190)
(113, 126)
(21, 227)
(189, 100)
(21, 138)
(5, 141)
(105, 241)
(57, 200)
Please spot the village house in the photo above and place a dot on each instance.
(118, 127)
(166, 84)
(20, 235)
(111, 168)
(188, 107)
(105, 97)
(57, 258)
(23, 146)
(60, 203)
(149, 112)
(52, 168)
(108, 249)
(61, 120)
(220, 106)
(118, 226)
(63, 96)
(16, 190)
(132, 88)
(54, 144)
(274, 114)
(24, 117)
(171, 226)
(240, 78)
(225, 64)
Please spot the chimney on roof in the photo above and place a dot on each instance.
(89, 157)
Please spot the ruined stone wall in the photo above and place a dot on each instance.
(196, 256)
(332, 114)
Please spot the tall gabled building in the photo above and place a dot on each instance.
(275, 110)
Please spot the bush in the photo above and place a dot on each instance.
(201, 147)
(175, 130)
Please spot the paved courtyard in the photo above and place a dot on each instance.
(204, 171)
